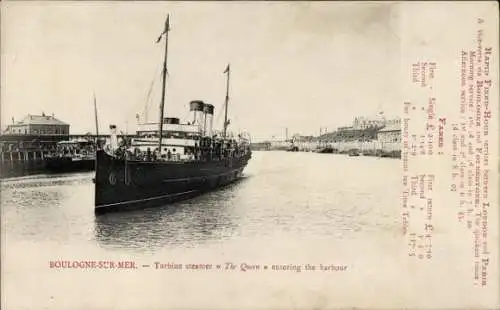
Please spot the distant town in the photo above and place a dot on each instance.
(366, 135)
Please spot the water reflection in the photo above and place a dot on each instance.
(15, 169)
(203, 219)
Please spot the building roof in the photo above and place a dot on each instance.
(391, 127)
(40, 120)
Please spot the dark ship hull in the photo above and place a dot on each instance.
(122, 185)
(68, 164)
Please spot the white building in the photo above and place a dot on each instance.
(390, 133)
(38, 125)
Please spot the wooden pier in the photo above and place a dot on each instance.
(25, 154)
(18, 163)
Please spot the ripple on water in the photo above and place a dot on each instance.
(299, 195)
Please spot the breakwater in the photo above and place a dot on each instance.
(366, 148)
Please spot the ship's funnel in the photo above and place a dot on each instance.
(114, 139)
(196, 110)
(208, 111)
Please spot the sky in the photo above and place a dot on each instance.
(296, 65)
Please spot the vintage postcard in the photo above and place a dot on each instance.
(249, 155)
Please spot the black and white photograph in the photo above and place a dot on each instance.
(249, 155)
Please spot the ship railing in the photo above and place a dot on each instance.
(201, 156)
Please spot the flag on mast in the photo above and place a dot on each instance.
(227, 69)
(167, 28)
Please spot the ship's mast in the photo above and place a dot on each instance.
(96, 122)
(97, 146)
(228, 72)
(164, 74)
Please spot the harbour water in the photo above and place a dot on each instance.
(290, 209)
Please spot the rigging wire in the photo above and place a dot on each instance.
(148, 96)
(186, 116)
(217, 119)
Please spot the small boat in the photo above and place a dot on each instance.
(169, 161)
(71, 156)
(292, 147)
(353, 152)
(325, 150)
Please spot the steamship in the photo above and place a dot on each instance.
(169, 161)
(71, 156)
